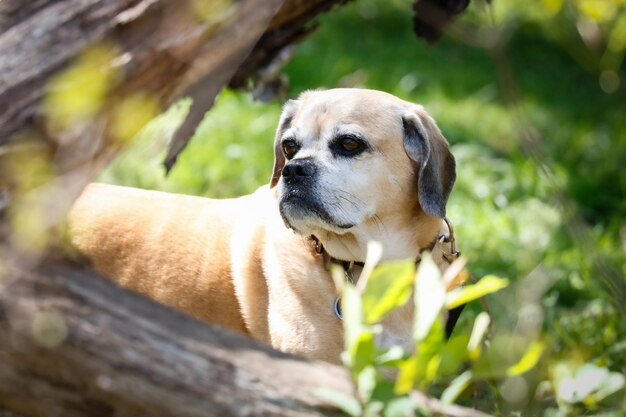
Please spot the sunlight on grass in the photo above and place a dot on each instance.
(231, 153)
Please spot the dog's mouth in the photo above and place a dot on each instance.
(297, 208)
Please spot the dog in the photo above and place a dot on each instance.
(351, 166)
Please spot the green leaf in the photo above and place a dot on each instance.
(481, 325)
(373, 409)
(429, 355)
(362, 351)
(487, 285)
(390, 357)
(372, 259)
(389, 286)
(430, 296)
(456, 387)
(505, 350)
(406, 377)
(384, 390)
(529, 360)
(347, 403)
(453, 355)
(400, 407)
(366, 382)
(359, 339)
(352, 315)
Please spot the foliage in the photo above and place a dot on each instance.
(531, 97)
(515, 361)
(434, 360)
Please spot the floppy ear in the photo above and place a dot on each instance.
(424, 144)
(289, 110)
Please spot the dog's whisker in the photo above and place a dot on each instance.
(382, 226)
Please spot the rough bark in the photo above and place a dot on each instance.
(73, 344)
(163, 48)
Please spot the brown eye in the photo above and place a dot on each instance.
(349, 144)
(290, 148)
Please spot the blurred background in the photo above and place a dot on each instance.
(531, 95)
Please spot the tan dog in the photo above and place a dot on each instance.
(351, 166)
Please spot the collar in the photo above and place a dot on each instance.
(444, 244)
(445, 241)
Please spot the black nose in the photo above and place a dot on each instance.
(298, 170)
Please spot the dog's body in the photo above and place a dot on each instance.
(351, 166)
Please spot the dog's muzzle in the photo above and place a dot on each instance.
(299, 196)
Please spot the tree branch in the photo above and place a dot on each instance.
(73, 344)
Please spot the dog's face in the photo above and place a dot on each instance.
(345, 158)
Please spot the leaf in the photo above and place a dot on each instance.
(456, 274)
(613, 383)
(453, 355)
(553, 5)
(388, 287)
(481, 325)
(78, 92)
(431, 371)
(400, 407)
(372, 258)
(487, 285)
(359, 339)
(599, 11)
(456, 387)
(529, 360)
(366, 382)
(429, 355)
(339, 278)
(430, 296)
(384, 390)
(406, 377)
(131, 114)
(505, 350)
(363, 351)
(352, 311)
(617, 38)
(590, 384)
(390, 357)
(347, 403)
(373, 409)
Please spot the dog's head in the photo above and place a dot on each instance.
(345, 158)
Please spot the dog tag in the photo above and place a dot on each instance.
(337, 308)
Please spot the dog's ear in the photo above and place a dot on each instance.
(289, 110)
(424, 144)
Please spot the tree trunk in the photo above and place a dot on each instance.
(165, 48)
(73, 344)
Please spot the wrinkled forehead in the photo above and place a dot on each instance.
(368, 113)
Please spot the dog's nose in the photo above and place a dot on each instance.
(298, 170)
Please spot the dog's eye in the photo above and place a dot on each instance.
(349, 144)
(290, 148)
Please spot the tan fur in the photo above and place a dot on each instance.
(235, 263)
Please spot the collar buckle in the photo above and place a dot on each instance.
(449, 238)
